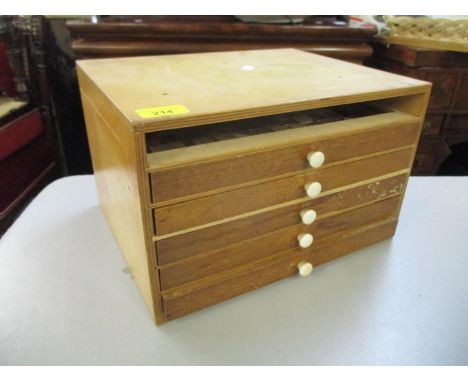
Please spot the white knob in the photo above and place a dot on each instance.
(308, 216)
(305, 269)
(313, 189)
(315, 158)
(305, 239)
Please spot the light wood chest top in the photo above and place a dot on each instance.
(223, 86)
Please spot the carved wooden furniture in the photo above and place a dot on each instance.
(446, 121)
(428, 32)
(223, 172)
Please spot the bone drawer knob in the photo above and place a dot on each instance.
(308, 216)
(305, 268)
(313, 189)
(315, 158)
(305, 239)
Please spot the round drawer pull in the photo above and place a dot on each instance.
(305, 240)
(308, 216)
(305, 269)
(313, 189)
(315, 158)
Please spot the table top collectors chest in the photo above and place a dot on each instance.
(220, 173)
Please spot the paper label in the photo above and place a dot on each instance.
(162, 111)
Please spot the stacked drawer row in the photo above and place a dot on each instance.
(226, 224)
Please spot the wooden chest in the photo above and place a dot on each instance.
(220, 173)
(446, 123)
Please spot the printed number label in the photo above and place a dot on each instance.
(163, 111)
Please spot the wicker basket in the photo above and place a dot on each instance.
(428, 32)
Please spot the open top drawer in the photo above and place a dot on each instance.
(189, 162)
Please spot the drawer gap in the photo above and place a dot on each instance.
(185, 137)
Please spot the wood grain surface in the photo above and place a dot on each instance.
(114, 159)
(119, 162)
(259, 247)
(195, 178)
(229, 204)
(216, 87)
(286, 265)
(187, 146)
(221, 235)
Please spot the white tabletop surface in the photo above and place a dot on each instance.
(65, 297)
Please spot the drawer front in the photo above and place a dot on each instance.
(218, 236)
(425, 162)
(458, 124)
(178, 304)
(193, 179)
(208, 209)
(443, 85)
(433, 124)
(461, 98)
(275, 242)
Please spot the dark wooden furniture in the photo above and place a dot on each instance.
(28, 151)
(220, 173)
(446, 124)
(143, 35)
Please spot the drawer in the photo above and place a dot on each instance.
(433, 124)
(461, 98)
(458, 124)
(218, 236)
(183, 302)
(262, 162)
(426, 160)
(267, 245)
(443, 85)
(228, 204)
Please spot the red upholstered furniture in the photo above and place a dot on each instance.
(24, 170)
(19, 132)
